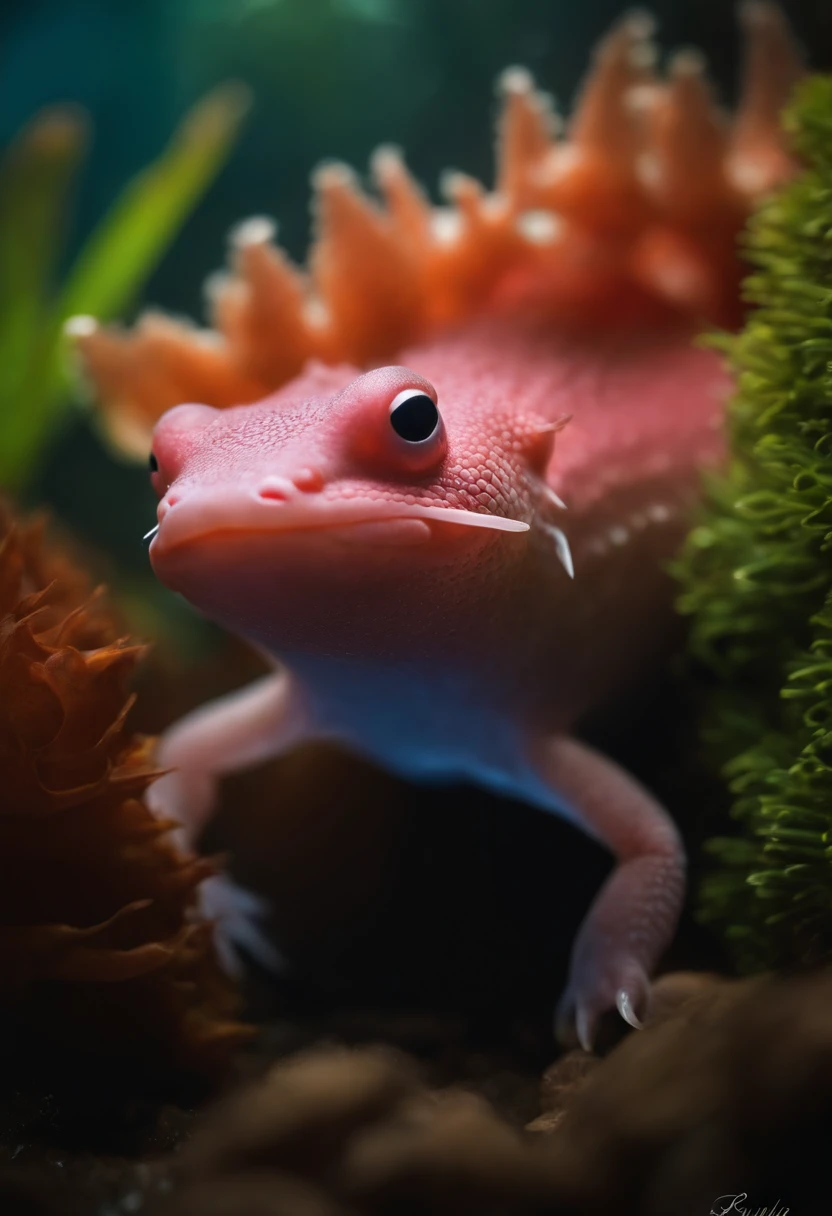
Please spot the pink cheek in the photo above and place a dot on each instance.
(387, 454)
(396, 533)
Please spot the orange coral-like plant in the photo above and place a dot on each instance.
(99, 944)
(631, 210)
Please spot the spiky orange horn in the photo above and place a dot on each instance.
(635, 206)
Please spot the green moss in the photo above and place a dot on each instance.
(757, 576)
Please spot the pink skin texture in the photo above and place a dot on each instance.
(452, 604)
(439, 648)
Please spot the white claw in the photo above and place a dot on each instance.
(151, 533)
(562, 547)
(554, 498)
(228, 958)
(583, 1029)
(625, 1007)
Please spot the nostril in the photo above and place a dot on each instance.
(272, 494)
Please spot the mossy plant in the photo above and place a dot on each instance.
(757, 575)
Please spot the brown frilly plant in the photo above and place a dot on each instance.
(101, 947)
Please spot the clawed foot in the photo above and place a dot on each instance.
(597, 987)
(237, 914)
(188, 795)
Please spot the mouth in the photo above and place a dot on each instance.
(199, 517)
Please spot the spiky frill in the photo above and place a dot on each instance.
(633, 212)
(758, 576)
(99, 946)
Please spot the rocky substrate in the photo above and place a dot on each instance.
(727, 1092)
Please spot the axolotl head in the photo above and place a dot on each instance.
(350, 515)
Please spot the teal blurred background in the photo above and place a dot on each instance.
(329, 78)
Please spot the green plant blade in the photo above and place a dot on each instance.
(36, 175)
(109, 271)
(141, 225)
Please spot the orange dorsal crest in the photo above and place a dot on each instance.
(629, 211)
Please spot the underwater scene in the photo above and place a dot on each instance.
(415, 608)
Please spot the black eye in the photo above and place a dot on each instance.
(154, 463)
(414, 416)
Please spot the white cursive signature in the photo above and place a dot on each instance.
(737, 1203)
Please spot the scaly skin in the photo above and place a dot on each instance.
(439, 649)
(417, 596)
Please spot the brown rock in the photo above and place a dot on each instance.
(730, 1093)
(302, 1112)
(361, 1126)
(559, 1084)
(253, 1193)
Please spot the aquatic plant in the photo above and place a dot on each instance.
(757, 575)
(100, 945)
(636, 205)
(36, 178)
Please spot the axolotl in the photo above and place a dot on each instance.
(453, 555)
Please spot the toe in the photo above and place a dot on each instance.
(619, 985)
(236, 913)
(585, 1027)
(574, 1022)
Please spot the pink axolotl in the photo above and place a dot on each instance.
(454, 554)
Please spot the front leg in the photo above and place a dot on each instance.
(253, 724)
(634, 916)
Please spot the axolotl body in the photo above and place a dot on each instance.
(476, 435)
(410, 626)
